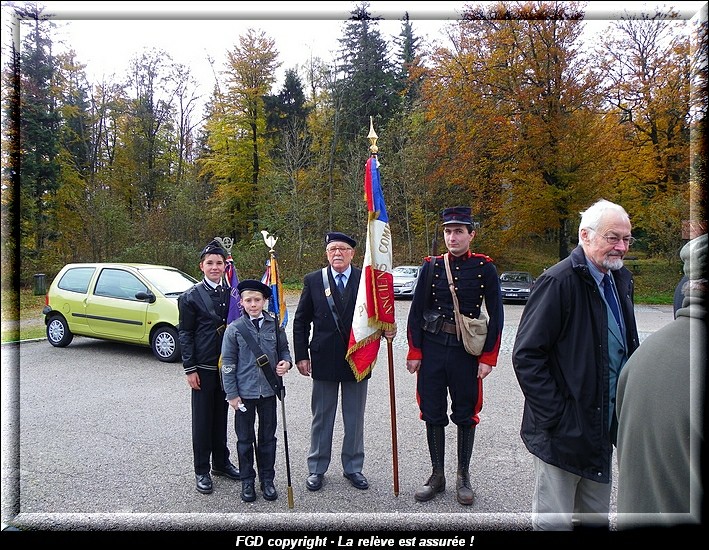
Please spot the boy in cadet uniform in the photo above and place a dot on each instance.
(203, 312)
(249, 385)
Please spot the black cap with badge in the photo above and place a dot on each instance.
(213, 247)
(458, 215)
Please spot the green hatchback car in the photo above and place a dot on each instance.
(131, 303)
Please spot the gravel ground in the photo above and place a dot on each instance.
(100, 434)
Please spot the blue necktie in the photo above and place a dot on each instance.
(341, 283)
(610, 298)
(256, 323)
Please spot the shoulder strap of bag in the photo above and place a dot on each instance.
(262, 359)
(208, 302)
(431, 266)
(333, 307)
(451, 286)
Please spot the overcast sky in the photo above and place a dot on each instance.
(107, 35)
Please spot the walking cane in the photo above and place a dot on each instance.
(285, 444)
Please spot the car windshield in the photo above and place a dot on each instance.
(168, 281)
(411, 271)
(515, 277)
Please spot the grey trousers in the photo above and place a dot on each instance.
(563, 500)
(324, 406)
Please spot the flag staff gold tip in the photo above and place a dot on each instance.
(372, 137)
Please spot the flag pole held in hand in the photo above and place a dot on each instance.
(277, 306)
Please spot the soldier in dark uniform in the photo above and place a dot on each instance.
(203, 313)
(441, 362)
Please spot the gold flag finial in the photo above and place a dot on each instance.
(372, 137)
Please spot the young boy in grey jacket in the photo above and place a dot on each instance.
(248, 387)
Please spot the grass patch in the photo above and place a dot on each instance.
(22, 317)
(655, 278)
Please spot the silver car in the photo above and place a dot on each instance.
(405, 277)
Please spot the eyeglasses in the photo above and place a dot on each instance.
(615, 239)
(339, 249)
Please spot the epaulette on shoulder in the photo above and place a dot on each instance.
(485, 256)
(428, 258)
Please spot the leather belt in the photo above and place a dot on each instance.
(448, 328)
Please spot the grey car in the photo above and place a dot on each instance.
(405, 278)
(516, 286)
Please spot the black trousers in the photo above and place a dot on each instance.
(244, 424)
(447, 368)
(209, 423)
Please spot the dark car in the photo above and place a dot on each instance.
(516, 286)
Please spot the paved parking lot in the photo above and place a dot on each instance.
(96, 437)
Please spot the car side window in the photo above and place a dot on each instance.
(76, 279)
(116, 283)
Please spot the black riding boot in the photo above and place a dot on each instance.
(466, 437)
(436, 438)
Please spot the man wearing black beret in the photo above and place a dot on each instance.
(203, 313)
(327, 304)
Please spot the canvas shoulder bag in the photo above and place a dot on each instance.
(472, 331)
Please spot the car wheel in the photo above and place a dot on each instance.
(58, 332)
(165, 344)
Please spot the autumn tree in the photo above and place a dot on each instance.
(647, 82)
(512, 106)
(236, 132)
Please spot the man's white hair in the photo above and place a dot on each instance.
(592, 216)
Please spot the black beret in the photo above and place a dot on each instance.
(457, 214)
(213, 247)
(253, 284)
(340, 238)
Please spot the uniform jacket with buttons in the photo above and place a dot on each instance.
(241, 376)
(560, 358)
(200, 342)
(476, 282)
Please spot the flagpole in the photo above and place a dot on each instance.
(390, 353)
(270, 241)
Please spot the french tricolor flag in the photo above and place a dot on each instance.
(374, 309)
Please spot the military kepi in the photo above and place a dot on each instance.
(213, 247)
(457, 214)
(253, 284)
(339, 238)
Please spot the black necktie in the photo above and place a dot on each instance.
(219, 289)
(256, 323)
(341, 283)
(610, 298)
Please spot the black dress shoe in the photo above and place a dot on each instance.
(357, 480)
(248, 493)
(269, 491)
(314, 482)
(230, 471)
(204, 483)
